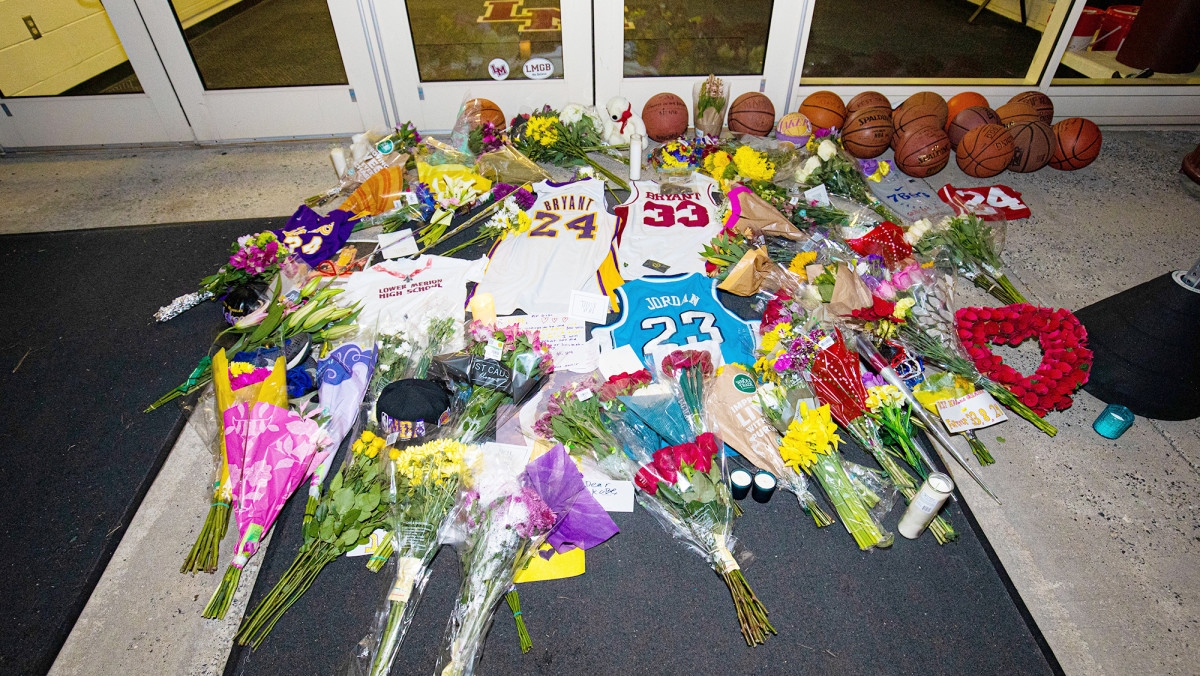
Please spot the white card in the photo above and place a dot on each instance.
(493, 350)
(620, 360)
(565, 336)
(398, 244)
(614, 495)
(818, 195)
(971, 412)
(589, 307)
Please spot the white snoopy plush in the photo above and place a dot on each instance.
(622, 124)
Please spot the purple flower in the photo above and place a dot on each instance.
(525, 199)
(783, 362)
(869, 166)
(553, 408)
(540, 519)
(502, 190)
(871, 380)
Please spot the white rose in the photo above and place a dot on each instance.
(571, 113)
(827, 149)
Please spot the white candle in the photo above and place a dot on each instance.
(635, 157)
(483, 308)
(925, 505)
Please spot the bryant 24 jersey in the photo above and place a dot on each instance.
(663, 233)
(678, 310)
(571, 235)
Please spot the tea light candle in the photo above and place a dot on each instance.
(483, 308)
(1113, 421)
(739, 484)
(764, 487)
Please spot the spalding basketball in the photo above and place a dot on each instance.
(1014, 113)
(985, 151)
(1076, 143)
(965, 121)
(794, 128)
(479, 111)
(1039, 102)
(929, 99)
(960, 102)
(824, 109)
(867, 100)
(666, 117)
(1033, 144)
(909, 118)
(924, 152)
(868, 132)
(752, 113)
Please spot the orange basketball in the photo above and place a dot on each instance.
(1076, 143)
(966, 120)
(666, 117)
(960, 102)
(985, 151)
(1033, 144)
(928, 99)
(752, 113)
(924, 152)
(867, 100)
(868, 132)
(909, 118)
(1014, 113)
(1039, 102)
(478, 111)
(824, 109)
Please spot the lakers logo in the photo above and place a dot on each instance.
(528, 19)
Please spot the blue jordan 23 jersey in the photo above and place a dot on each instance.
(678, 310)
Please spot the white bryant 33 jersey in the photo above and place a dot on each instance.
(663, 234)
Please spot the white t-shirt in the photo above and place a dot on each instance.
(571, 235)
(402, 293)
(667, 230)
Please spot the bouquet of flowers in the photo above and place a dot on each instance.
(686, 370)
(745, 164)
(939, 386)
(509, 217)
(841, 174)
(971, 246)
(574, 418)
(254, 259)
(427, 481)
(454, 187)
(270, 451)
(500, 366)
(564, 138)
(356, 503)
(344, 375)
(791, 339)
(710, 99)
(685, 488)
(679, 156)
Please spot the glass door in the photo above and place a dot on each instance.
(247, 69)
(82, 72)
(516, 53)
(644, 47)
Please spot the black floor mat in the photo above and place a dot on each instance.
(80, 358)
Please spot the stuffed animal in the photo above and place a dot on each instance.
(621, 123)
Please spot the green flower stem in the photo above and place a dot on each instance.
(810, 506)
(295, 581)
(381, 556)
(381, 663)
(752, 615)
(981, 452)
(206, 550)
(514, 604)
(310, 507)
(828, 472)
(218, 605)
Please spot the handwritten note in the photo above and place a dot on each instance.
(564, 335)
(971, 412)
(589, 307)
(612, 494)
(398, 244)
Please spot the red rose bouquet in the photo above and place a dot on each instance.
(685, 371)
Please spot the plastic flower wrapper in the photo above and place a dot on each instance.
(499, 366)
(426, 481)
(355, 504)
(677, 157)
(790, 341)
(933, 334)
(841, 174)
(271, 450)
(685, 487)
(368, 153)
(940, 386)
(710, 100)
(733, 401)
(406, 350)
(686, 371)
(506, 164)
(972, 246)
(229, 389)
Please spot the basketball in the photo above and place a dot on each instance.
(752, 113)
(824, 109)
(1076, 143)
(1039, 102)
(1013, 113)
(666, 117)
(985, 151)
(909, 118)
(924, 152)
(867, 100)
(928, 99)
(1033, 144)
(868, 132)
(960, 102)
(965, 121)
(479, 111)
(794, 128)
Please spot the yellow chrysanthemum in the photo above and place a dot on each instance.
(812, 433)
(802, 259)
(780, 332)
(238, 368)
(753, 164)
(902, 308)
(542, 130)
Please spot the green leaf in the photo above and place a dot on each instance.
(370, 474)
(343, 500)
(352, 516)
(326, 531)
(336, 484)
(360, 502)
(364, 515)
(372, 502)
(349, 537)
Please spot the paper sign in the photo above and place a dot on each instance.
(818, 196)
(910, 197)
(565, 336)
(589, 307)
(377, 539)
(557, 567)
(971, 412)
(621, 360)
(614, 495)
(398, 244)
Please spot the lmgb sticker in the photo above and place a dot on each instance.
(498, 69)
(538, 69)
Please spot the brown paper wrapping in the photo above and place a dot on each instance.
(758, 217)
(740, 419)
(850, 292)
(748, 275)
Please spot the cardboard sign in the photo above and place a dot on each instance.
(972, 412)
